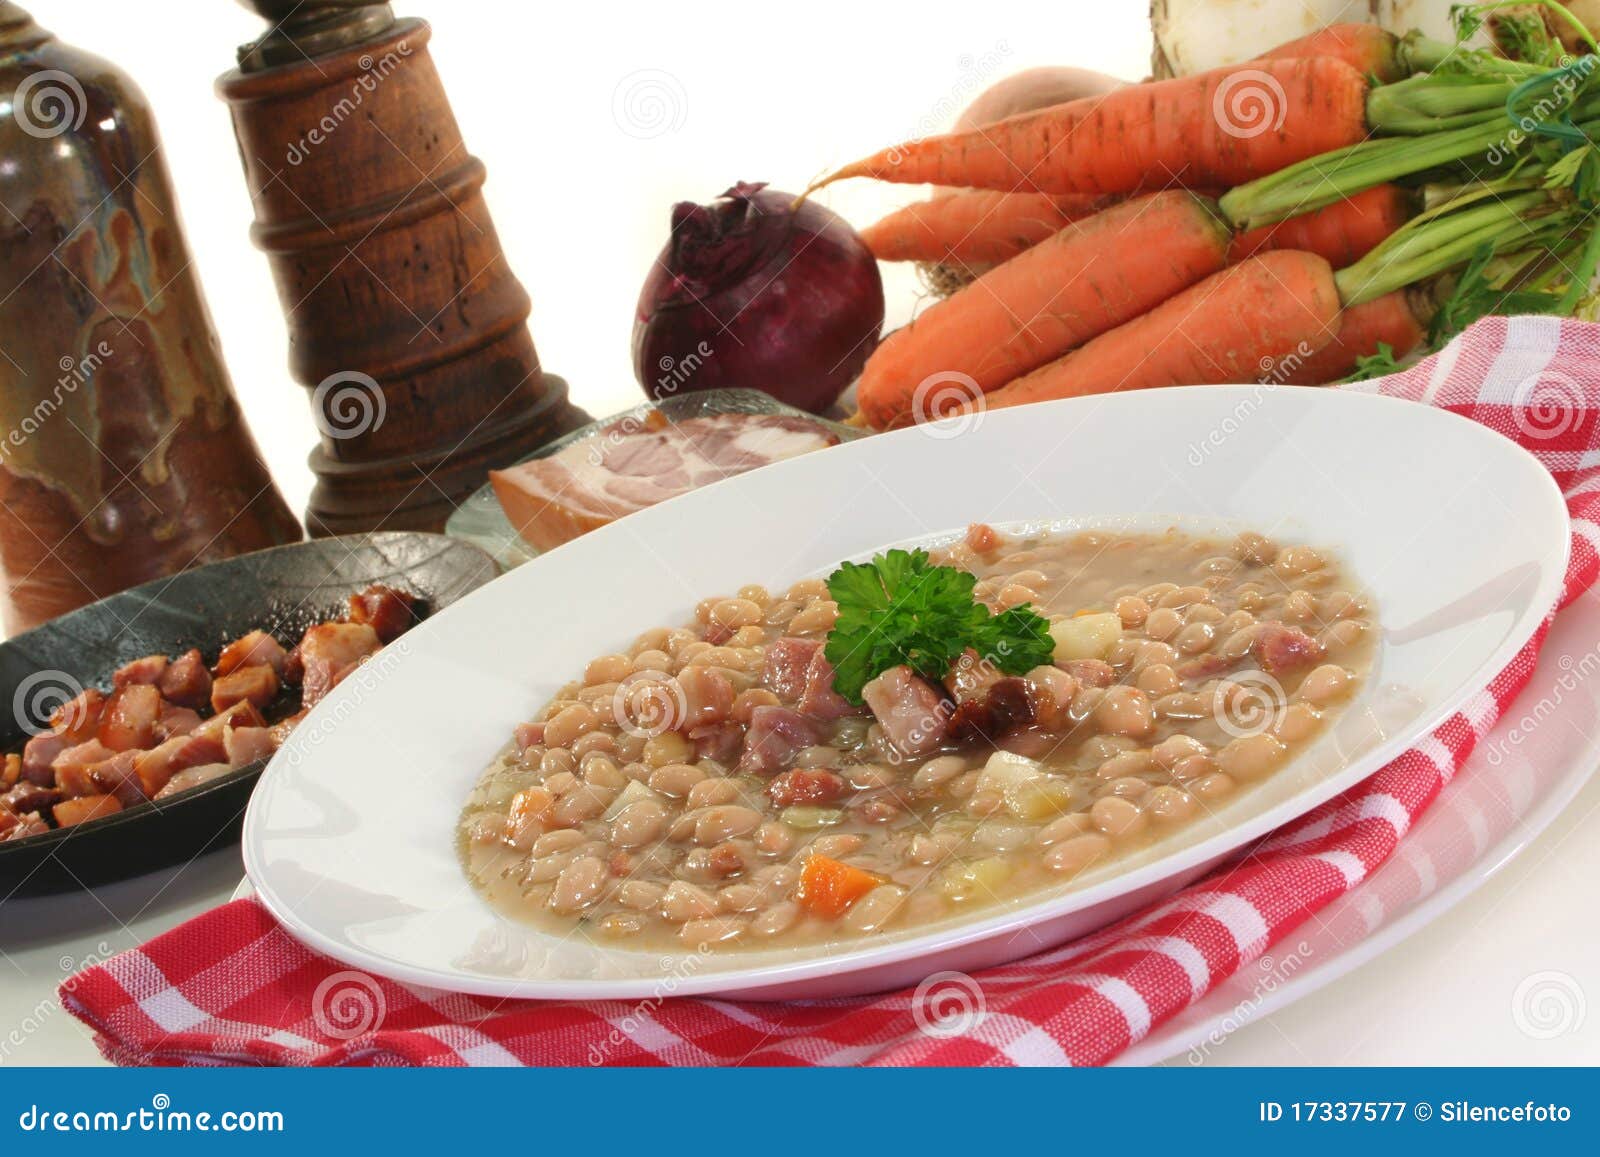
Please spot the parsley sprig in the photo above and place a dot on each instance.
(901, 609)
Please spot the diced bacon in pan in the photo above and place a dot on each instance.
(130, 718)
(146, 670)
(193, 777)
(252, 650)
(329, 652)
(119, 776)
(186, 682)
(71, 812)
(155, 767)
(79, 717)
(248, 744)
(39, 753)
(256, 685)
(176, 721)
(72, 766)
(387, 611)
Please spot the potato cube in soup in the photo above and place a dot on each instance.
(1086, 636)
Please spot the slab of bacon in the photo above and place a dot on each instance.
(147, 738)
(633, 464)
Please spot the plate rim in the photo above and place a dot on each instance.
(738, 983)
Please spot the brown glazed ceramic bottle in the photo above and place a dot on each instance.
(405, 321)
(123, 455)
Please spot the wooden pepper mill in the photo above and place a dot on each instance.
(123, 454)
(405, 320)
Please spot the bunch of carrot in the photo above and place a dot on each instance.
(1114, 265)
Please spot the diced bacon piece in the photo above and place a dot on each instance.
(119, 776)
(387, 611)
(1005, 706)
(328, 652)
(982, 538)
(257, 685)
(130, 718)
(30, 797)
(914, 717)
(253, 650)
(707, 697)
(775, 735)
(39, 753)
(186, 682)
(294, 668)
(528, 735)
(146, 670)
(10, 771)
(634, 464)
(1091, 672)
(192, 777)
(1282, 648)
(71, 812)
(72, 766)
(20, 827)
(248, 744)
(820, 700)
(79, 717)
(971, 676)
(154, 768)
(282, 729)
(718, 741)
(241, 714)
(787, 664)
(176, 721)
(805, 785)
(1204, 666)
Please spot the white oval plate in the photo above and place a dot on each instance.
(1460, 536)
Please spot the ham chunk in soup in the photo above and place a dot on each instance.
(914, 716)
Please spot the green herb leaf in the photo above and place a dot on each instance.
(1375, 365)
(900, 609)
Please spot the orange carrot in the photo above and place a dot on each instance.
(1342, 232)
(1222, 330)
(1093, 275)
(1389, 320)
(975, 226)
(1365, 47)
(1215, 129)
(828, 887)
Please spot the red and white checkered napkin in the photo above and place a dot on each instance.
(232, 987)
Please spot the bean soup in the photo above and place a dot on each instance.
(711, 786)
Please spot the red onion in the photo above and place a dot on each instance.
(753, 293)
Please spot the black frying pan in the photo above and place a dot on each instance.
(283, 590)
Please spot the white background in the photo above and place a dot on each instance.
(581, 198)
